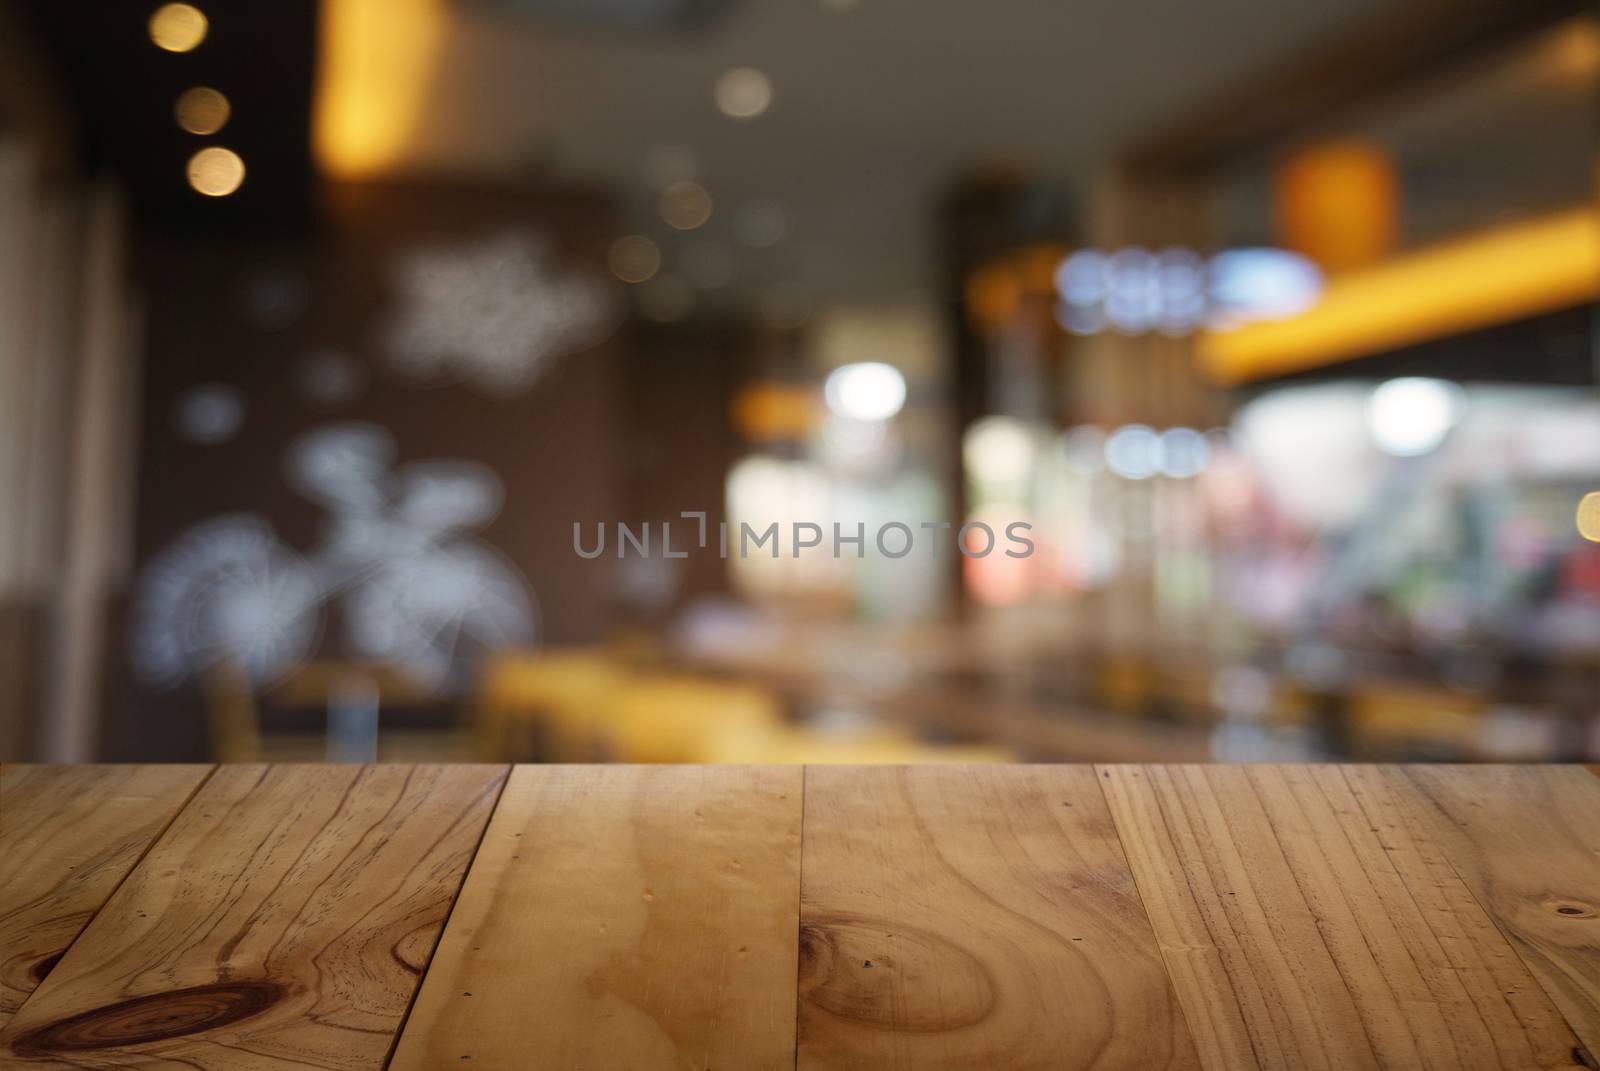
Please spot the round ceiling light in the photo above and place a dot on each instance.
(870, 390)
(178, 27)
(1412, 415)
(215, 171)
(743, 93)
(685, 205)
(633, 258)
(202, 110)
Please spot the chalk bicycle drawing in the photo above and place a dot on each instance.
(414, 590)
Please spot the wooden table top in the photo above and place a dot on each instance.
(614, 918)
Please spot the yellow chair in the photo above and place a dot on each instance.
(1385, 716)
(548, 702)
(1189, 691)
(785, 745)
(1124, 684)
(675, 719)
(232, 721)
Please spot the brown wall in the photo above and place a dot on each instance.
(555, 446)
(678, 385)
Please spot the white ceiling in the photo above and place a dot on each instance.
(876, 108)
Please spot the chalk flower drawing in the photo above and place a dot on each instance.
(227, 589)
(414, 591)
(495, 312)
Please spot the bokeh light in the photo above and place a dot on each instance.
(1589, 516)
(995, 578)
(1184, 452)
(215, 171)
(870, 390)
(633, 258)
(1134, 452)
(743, 93)
(685, 205)
(1261, 284)
(1412, 415)
(202, 110)
(1339, 204)
(998, 452)
(178, 27)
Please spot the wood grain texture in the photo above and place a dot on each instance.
(622, 919)
(1310, 920)
(68, 836)
(975, 917)
(1527, 841)
(282, 920)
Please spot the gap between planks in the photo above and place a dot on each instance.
(1315, 917)
(104, 898)
(1172, 971)
(1548, 921)
(799, 914)
(250, 887)
(405, 1017)
(650, 910)
(1101, 778)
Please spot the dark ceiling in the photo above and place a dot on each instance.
(122, 89)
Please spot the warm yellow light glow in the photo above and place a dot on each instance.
(1573, 51)
(1589, 516)
(177, 27)
(770, 411)
(993, 295)
(633, 258)
(373, 75)
(1496, 277)
(685, 205)
(1338, 204)
(743, 93)
(202, 110)
(216, 172)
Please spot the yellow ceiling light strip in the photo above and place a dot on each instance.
(1491, 278)
(374, 69)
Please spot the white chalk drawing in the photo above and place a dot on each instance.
(495, 313)
(413, 589)
(226, 589)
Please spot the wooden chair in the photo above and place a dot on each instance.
(234, 717)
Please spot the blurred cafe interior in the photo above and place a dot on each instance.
(799, 380)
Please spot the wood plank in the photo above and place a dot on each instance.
(961, 917)
(625, 918)
(69, 835)
(1310, 921)
(283, 919)
(1527, 841)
